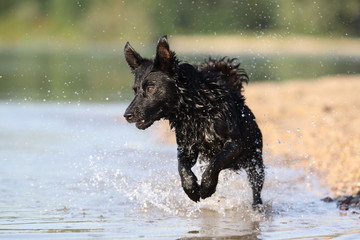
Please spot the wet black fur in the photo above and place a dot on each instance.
(206, 107)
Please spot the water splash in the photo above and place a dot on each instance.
(149, 180)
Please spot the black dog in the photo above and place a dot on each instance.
(205, 106)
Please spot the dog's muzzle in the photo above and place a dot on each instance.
(140, 124)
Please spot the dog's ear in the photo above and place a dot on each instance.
(163, 54)
(132, 57)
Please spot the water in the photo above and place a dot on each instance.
(101, 74)
(78, 171)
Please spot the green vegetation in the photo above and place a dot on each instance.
(112, 20)
(71, 50)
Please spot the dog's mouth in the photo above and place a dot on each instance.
(142, 124)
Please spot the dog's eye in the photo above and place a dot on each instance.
(150, 89)
(135, 90)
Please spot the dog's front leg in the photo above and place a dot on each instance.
(187, 160)
(221, 161)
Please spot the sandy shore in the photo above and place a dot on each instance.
(314, 124)
(269, 44)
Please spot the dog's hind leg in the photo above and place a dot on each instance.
(186, 160)
(222, 160)
(256, 176)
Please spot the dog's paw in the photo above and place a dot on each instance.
(193, 192)
(191, 187)
(208, 184)
(207, 190)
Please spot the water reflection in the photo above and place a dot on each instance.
(62, 76)
(104, 76)
(225, 226)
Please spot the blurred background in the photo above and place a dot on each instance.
(73, 168)
(54, 50)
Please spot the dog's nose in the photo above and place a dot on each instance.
(128, 116)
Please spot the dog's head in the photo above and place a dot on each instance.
(154, 86)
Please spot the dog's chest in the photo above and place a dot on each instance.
(202, 135)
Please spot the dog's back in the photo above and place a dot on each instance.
(230, 74)
(212, 96)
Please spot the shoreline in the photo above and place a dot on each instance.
(266, 45)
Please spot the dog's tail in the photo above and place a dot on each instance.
(230, 73)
